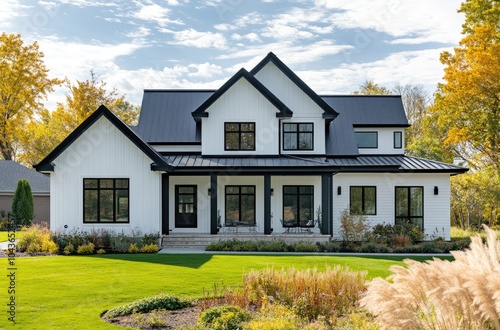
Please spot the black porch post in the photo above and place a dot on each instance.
(213, 204)
(164, 204)
(267, 204)
(326, 204)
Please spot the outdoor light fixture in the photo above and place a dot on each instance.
(209, 191)
(272, 192)
(436, 190)
(339, 190)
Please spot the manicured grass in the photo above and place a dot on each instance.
(62, 292)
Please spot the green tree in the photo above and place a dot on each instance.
(22, 204)
(24, 83)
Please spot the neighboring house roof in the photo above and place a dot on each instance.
(159, 164)
(329, 112)
(283, 110)
(286, 163)
(11, 172)
(361, 111)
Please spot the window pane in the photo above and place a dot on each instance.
(90, 205)
(305, 127)
(305, 141)
(90, 183)
(234, 127)
(106, 205)
(248, 190)
(106, 183)
(290, 141)
(122, 206)
(232, 190)
(189, 208)
(416, 201)
(121, 183)
(186, 198)
(356, 200)
(247, 141)
(232, 141)
(306, 190)
(186, 190)
(401, 202)
(366, 139)
(247, 208)
(247, 127)
(306, 205)
(232, 208)
(370, 200)
(289, 127)
(398, 140)
(290, 190)
(290, 206)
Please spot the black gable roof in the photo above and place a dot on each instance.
(361, 111)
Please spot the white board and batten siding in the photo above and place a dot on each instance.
(385, 141)
(436, 207)
(102, 151)
(242, 103)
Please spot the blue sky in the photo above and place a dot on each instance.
(333, 45)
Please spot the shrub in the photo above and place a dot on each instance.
(401, 240)
(85, 249)
(149, 239)
(120, 242)
(150, 248)
(410, 230)
(353, 227)
(152, 320)
(329, 247)
(309, 292)
(162, 301)
(373, 248)
(275, 317)
(36, 239)
(69, 249)
(133, 248)
(273, 246)
(441, 294)
(101, 251)
(224, 317)
(22, 204)
(304, 247)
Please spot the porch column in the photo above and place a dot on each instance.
(164, 204)
(267, 204)
(326, 204)
(213, 204)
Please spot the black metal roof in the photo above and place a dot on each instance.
(360, 111)
(11, 172)
(183, 163)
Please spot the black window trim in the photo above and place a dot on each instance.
(409, 205)
(114, 189)
(297, 133)
(363, 198)
(298, 205)
(226, 223)
(376, 139)
(239, 135)
(400, 139)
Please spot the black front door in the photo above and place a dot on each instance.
(186, 211)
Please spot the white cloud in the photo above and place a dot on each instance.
(253, 37)
(205, 70)
(197, 39)
(9, 10)
(141, 32)
(154, 13)
(87, 3)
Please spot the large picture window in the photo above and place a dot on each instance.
(106, 200)
(410, 205)
(298, 136)
(239, 136)
(240, 205)
(298, 204)
(367, 139)
(363, 200)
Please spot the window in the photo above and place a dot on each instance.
(410, 205)
(298, 136)
(240, 205)
(298, 203)
(239, 136)
(367, 139)
(363, 200)
(186, 213)
(398, 140)
(106, 200)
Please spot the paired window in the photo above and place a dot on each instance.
(367, 139)
(363, 200)
(298, 136)
(186, 215)
(298, 203)
(410, 205)
(106, 200)
(239, 136)
(398, 140)
(240, 205)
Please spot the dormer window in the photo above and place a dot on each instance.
(298, 136)
(239, 136)
(367, 140)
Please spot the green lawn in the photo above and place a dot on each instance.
(70, 292)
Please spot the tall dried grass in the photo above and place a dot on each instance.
(310, 293)
(439, 294)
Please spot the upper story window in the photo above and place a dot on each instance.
(298, 136)
(239, 136)
(398, 140)
(106, 200)
(367, 139)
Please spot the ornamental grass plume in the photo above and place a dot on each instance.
(441, 294)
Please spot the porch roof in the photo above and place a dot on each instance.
(189, 163)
